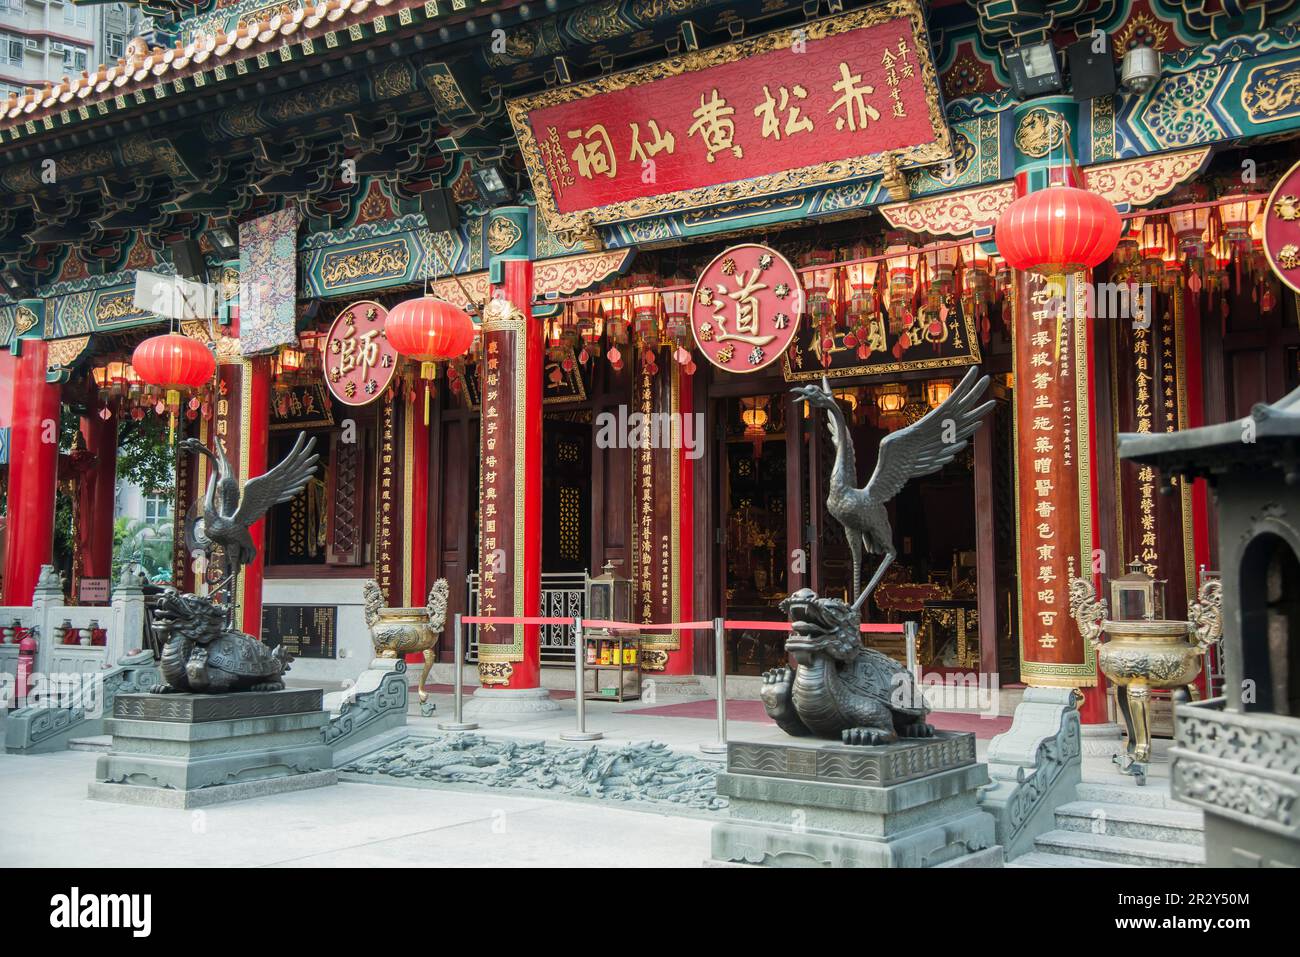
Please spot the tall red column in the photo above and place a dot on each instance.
(418, 495)
(33, 465)
(510, 482)
(662, 492)
(95, 494)
(256, 419)
(1055, 434)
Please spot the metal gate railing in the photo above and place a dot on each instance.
(564, 595)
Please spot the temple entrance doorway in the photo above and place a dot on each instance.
(753, 558)
(566, 498)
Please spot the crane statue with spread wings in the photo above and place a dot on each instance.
(921, 448)
(227, 514)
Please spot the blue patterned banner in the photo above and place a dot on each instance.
(268, 281)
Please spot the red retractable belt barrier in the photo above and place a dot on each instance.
(658, 626)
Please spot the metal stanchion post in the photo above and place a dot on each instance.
(910, 629)
(720, 662)
(458, 682)
(579, 657)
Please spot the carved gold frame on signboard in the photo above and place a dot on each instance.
(1270, 211)
(819, 174)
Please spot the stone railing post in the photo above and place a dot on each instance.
(126, 633)
(47, 613)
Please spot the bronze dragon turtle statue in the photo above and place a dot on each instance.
(203, 655)
(840, 688)
(202, 651)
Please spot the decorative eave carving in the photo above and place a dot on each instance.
(562, 276)
(1135, 182)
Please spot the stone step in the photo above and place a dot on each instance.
(1154, 794)
(1120, 850)
(1127, 820)
(1040, 859)
(98, 742)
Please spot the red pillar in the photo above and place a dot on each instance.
(95, 494)
(256, 417)
(33, 464)
(510, 484)
(418, 520)
(684, 395)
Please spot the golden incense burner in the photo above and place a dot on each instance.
(403, 631)
(1139, 655)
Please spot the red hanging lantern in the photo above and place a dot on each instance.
(1058, 230)
(429, 329)
(174, 362)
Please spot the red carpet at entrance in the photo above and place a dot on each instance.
(747, 710)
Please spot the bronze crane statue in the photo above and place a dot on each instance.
(227, 515)
(921, 448)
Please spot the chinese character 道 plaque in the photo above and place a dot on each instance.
(745, 308)
(819, 104)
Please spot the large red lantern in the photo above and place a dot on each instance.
(429, 329)
(1056, 230)
(174, 361)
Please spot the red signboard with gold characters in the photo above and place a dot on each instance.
(745, 308)
(818, 104)
(359, 362)
(1282, 228)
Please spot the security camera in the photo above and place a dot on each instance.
(1140, 70)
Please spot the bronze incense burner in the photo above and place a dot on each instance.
(1146, 653)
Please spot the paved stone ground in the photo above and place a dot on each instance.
(48, 821)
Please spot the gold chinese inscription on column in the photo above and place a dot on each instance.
(502, 502)
(645, 547)
(386, 500)
(1051, 472)
(1142, 405)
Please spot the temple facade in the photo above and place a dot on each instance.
(662, 215)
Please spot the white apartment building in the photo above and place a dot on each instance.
(44, 40)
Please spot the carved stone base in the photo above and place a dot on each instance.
(822, 804)
(1243, 770)
(510, 702)
(200, 743)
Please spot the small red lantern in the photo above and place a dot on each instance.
(174, 361)
(1060, 229)
(429, 329)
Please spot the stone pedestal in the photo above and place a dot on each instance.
(824, 804)
(185, 750)
(508, 703)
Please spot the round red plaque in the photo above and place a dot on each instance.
(745, 308)
(1282, 228)
(359, 362)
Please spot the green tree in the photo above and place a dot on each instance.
(148, 544)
